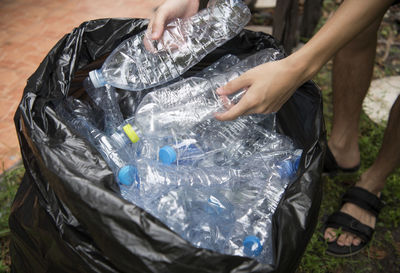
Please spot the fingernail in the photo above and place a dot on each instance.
(219, 90)
(155, 34)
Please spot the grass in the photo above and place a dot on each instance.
(383, 254)
(9, 182)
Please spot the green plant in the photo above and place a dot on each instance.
(9, 182)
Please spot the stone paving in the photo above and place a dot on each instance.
(380, 98)
(28, 30)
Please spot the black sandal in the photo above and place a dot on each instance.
(332, 168)
(345, 222)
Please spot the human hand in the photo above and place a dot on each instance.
(268, 85)
(168, 11)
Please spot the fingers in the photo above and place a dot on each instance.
(234, 85)
(248, 104)
(157, 24)
(169, 10)
(233, 113)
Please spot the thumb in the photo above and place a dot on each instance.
(234, 85)
(158, 24)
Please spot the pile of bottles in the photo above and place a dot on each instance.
(217, 184)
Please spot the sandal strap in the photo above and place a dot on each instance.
(363, 199)
(346, 222)
(331, 165)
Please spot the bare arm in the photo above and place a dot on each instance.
(270, 85)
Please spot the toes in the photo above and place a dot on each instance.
(330, 234)
(356, 241)
(349, 239)
(343, 239)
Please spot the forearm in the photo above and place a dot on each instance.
(351, 18)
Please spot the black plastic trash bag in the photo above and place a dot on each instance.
(68, 215)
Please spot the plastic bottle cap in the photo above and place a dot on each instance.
(128, 129)
(97, 78)
(252, 246)
(286, 169)
(167, 154)
(297, 163)
(127, 175)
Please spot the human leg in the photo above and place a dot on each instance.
(351, 77)
(352, 73)
(374, 178)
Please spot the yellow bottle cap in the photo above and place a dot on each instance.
(131, 133)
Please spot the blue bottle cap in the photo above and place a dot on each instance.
(252, 246)
(285, 169)
(296, 164)
(289, 167)
(167, 155)
(127, 175)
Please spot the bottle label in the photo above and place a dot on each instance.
(131, 133)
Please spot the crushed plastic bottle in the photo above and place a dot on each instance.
(190, 101)
(187, 152)
(256, 193)
(218, 67)
(239, 139)
(211, 218)
(139, 62)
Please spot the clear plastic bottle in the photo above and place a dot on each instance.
(182, 105)
(155, 180)
(139, 62)
(143, 143)
(189, 151)
(105, 98)
(256, 193)
(210, 218)
(219, 67)
(117, 158)
(238, 139)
